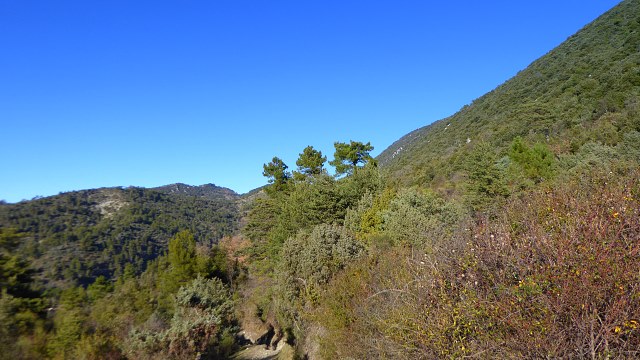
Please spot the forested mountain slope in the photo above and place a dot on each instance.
(76, 236)
(585, 90)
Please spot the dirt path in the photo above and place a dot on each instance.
(260, 352)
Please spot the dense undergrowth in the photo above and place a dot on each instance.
(538, 260)
(507, 231)
(554, 275)
(522, 242)
(88, 274)
(75, 237)
(585, 90)
(181, 306)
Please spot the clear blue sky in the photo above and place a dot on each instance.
(147, 93)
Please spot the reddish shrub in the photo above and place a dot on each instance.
(563, 268)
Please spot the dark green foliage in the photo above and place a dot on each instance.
(348, 156)
(68, 323)
(297, 239)
(213, 263)
(177, 307)
(21, 304)
(310, 163)
(15, 272)
(276, 172)
(544, 265)
(534, 163)
(521, 274)
(182, 255)
(185, 261)
(486, 182)
(22, 332)
(209, 191)
(99, 289)
(365, 179)
(274, 219)
(57, 243)
(262, 220)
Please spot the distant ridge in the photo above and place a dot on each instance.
(210, 191)
(102, 231)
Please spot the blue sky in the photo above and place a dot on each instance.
(147, 93)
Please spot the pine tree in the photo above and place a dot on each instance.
(310, 163)
(348, 156)
(277, 173)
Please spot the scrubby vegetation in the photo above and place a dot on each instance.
(585, 91)
(80, 271)
(510, 230)
(181, 305)
(555, 275)
(543, 267)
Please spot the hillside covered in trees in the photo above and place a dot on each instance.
(580, 95)
(78, 236)
(60, 254)
(508, 230)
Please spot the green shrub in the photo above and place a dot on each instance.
(308, 261)
(418, 218)
(203, 324)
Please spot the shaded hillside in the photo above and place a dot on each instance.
(74, 237)
(585, 90)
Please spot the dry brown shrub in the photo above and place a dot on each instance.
(563, 267)
(555, 275)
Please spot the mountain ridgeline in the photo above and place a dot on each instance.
(209, 191)
(510, 230)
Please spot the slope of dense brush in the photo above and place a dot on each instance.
(180, 307)
(555, 275)
(585, 90)
(510, 230)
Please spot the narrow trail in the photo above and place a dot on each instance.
(260, 352)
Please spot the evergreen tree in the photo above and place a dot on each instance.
(486, 178)
(348, 156)
(277, 173)
(535, 163)
(15, 273)
(310, 163)
(182, 257)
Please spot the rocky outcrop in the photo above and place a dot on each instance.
(264, 341)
